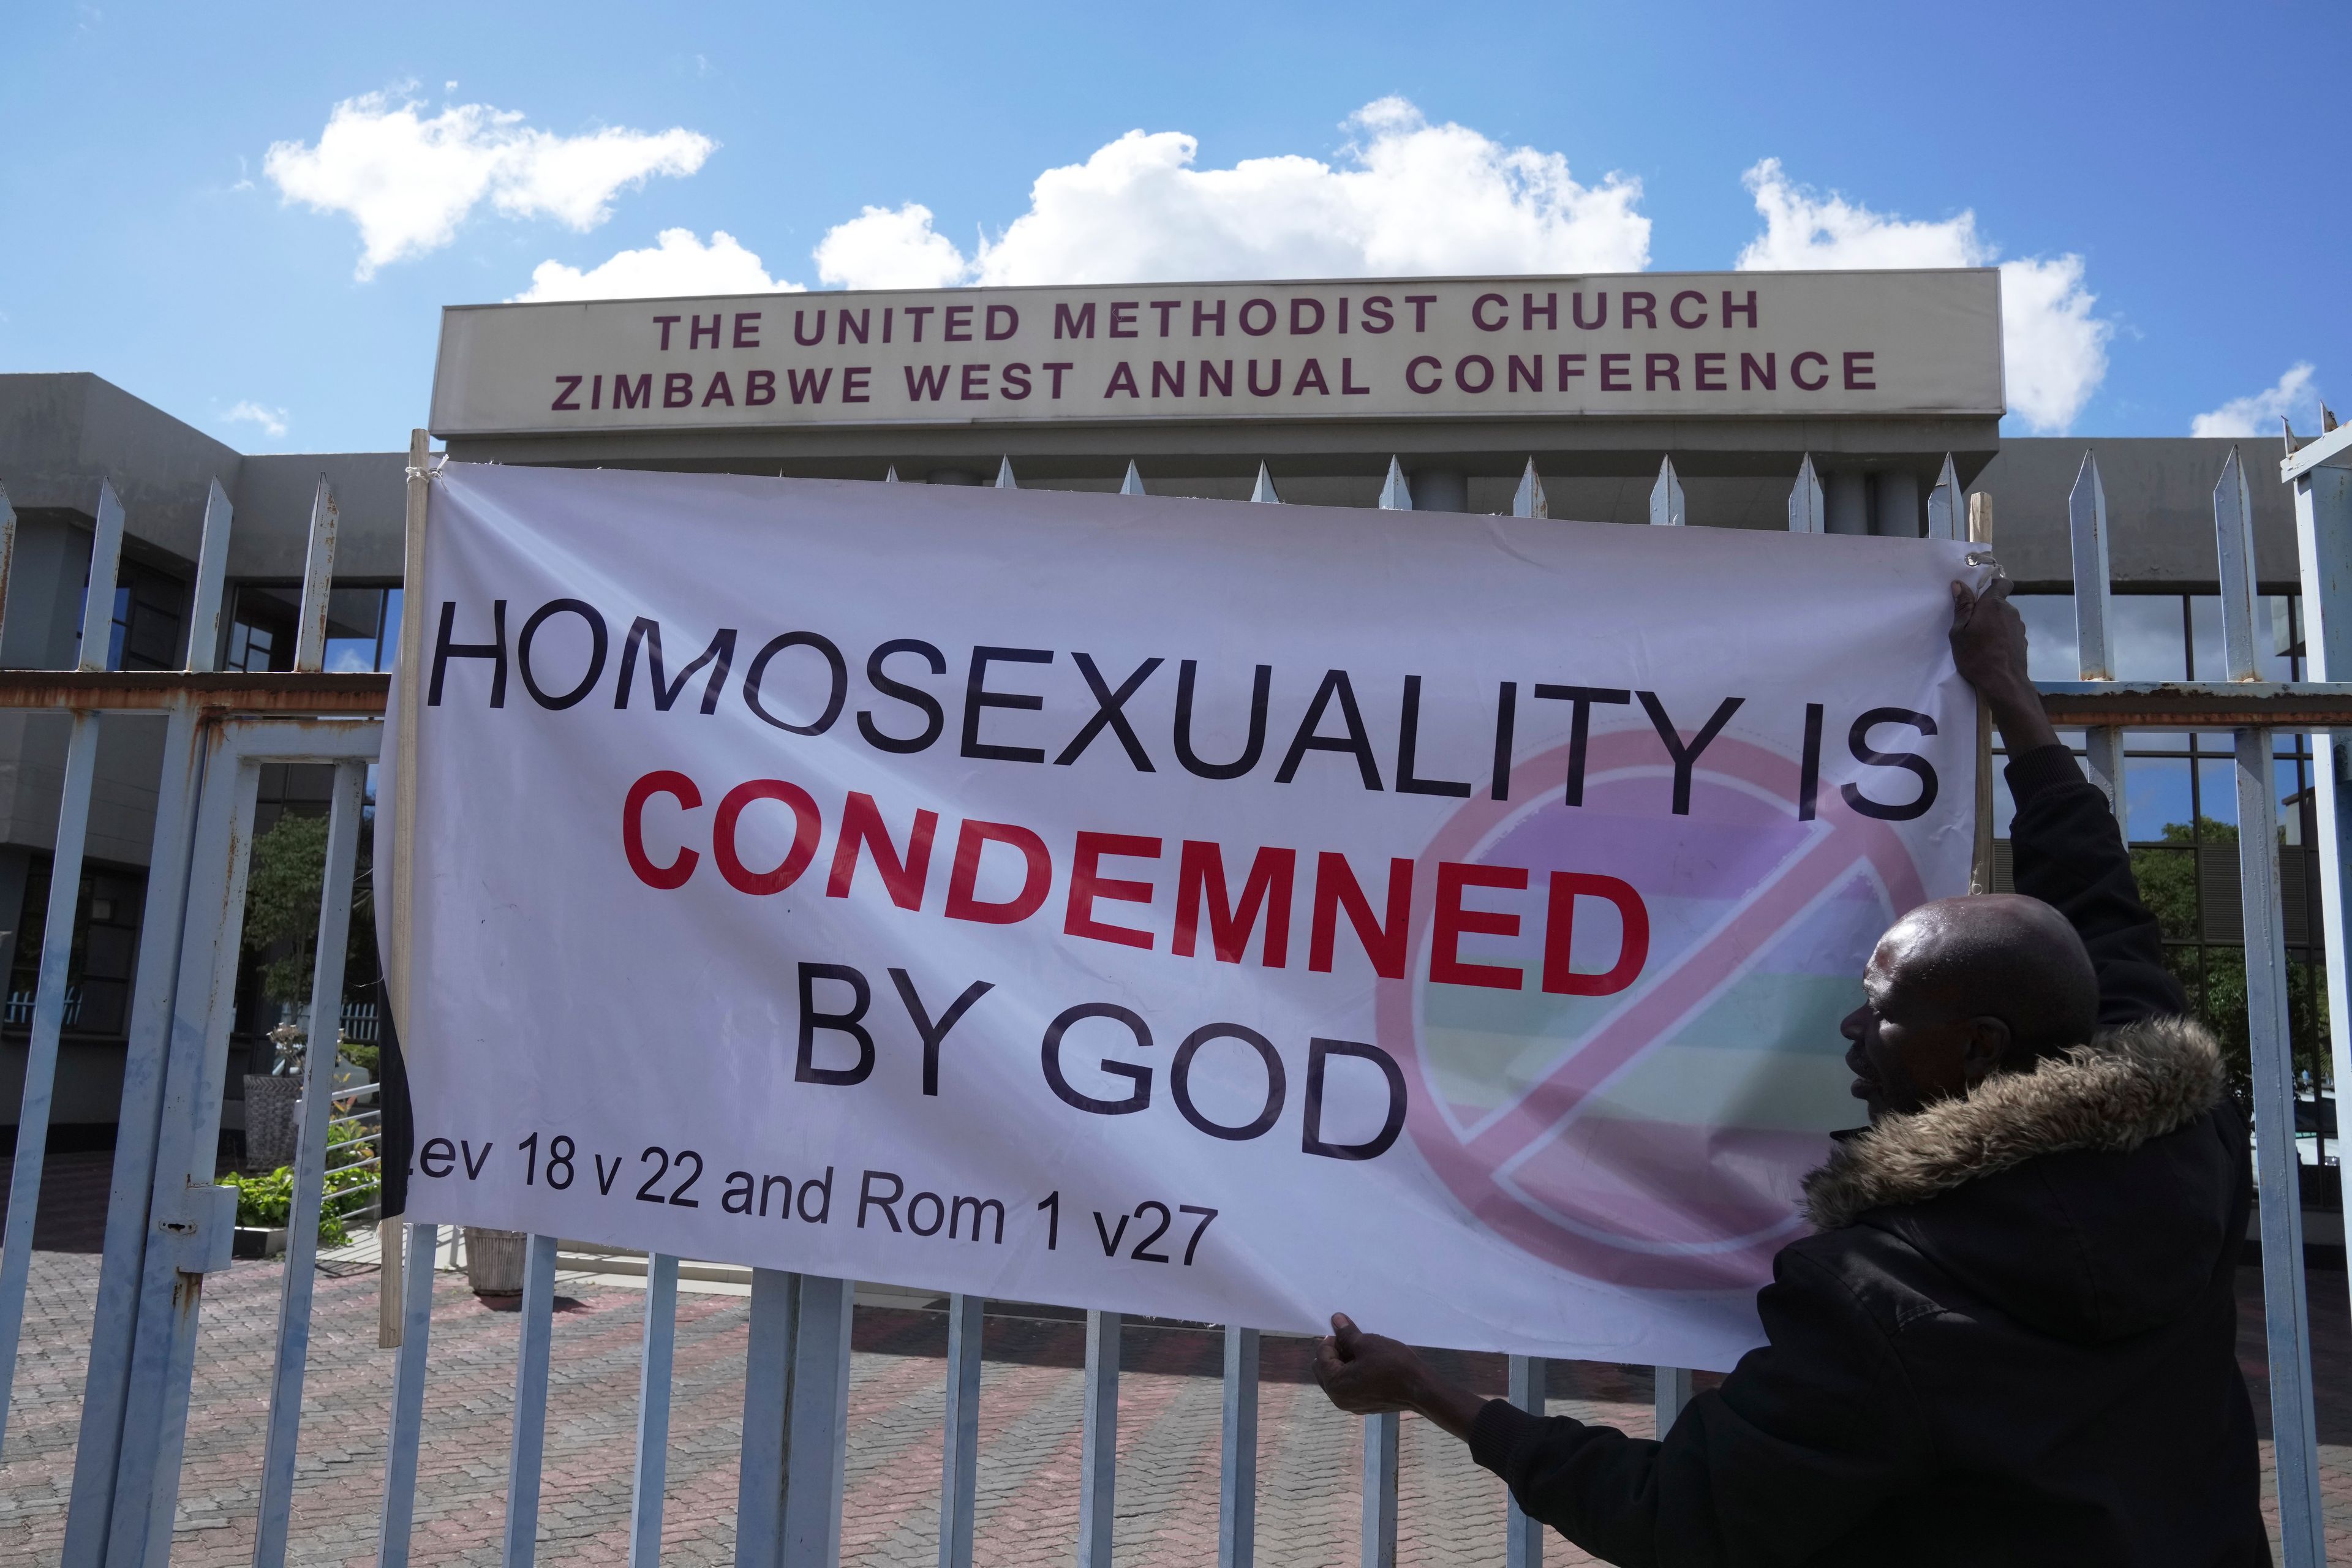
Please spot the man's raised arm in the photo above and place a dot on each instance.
(2069, 850)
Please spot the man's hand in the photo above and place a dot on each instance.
(1368, 1374)
(1988, 647)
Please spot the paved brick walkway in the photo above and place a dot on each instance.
(1310, 1455)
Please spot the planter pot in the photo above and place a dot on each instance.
(252, 1241)
(494, 1261)
(271, 1103)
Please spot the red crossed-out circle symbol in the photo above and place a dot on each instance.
(1649, 1205)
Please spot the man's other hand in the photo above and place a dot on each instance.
(1988, 647)
(1366, 1375)
(1369, 1374)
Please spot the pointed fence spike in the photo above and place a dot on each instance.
(2087, 522)
(1946, 512)
(1396, 494)
(1265, 489)
(1530, 501)
(890, 476)
(317, 581)
(1133, 484)
(2234, 531)
(1807, 512)
(1004, 480)
(1666, 508)
(212, 569)
(105, 562)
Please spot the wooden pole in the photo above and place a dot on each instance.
(389, 1289)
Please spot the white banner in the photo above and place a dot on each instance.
(1221, 911)
(1663, 345)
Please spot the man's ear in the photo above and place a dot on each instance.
(1988, 1049)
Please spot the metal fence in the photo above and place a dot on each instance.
(169, 1226)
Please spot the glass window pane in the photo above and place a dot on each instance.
(362, 628)
(2158, 792)
(2277, 648)
(2217, 790)
(354, 613)
(391, 629)
(2050, 653)
(261, 627)
(2144, 634)
(2273, 638)
(2290, 781)
(2212, 661)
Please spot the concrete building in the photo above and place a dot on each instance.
(62, 435)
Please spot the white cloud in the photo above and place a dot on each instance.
(2259, 414)
(2055, 349)
(408, 180)
(678, 263)
(271, 420)
(884, 249)
(1403, 198)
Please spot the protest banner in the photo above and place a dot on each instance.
(1218, 911)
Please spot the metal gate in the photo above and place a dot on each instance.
(169, 1226)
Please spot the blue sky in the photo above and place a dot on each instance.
(2154, 174)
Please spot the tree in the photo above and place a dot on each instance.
(2215, 976)
(282, 890)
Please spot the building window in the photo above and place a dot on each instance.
(362, 627)
(2181, 812)
(149, 607)
(307, 790)
(105, 951)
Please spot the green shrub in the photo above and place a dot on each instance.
(267, 1203)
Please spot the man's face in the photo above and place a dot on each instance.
(1909, 1048)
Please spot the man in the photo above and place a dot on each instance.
(2012, 1339)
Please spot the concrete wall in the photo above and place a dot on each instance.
(273, 498)
(43, 629)
(61, 435)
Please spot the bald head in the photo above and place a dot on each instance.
(1998, 955)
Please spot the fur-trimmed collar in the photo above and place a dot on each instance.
(2124, 1088)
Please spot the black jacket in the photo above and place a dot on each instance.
(2011, 1339)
